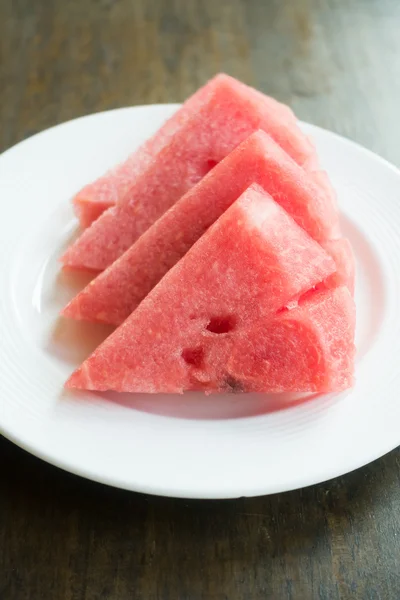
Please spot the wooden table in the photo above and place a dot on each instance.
(337, 63)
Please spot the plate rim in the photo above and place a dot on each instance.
(189, 494)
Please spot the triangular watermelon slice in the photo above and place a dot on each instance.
(95, 197)
(115, 293)
(228, 116)
(307, 349)
(250, 263)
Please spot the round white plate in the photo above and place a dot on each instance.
(191, 445)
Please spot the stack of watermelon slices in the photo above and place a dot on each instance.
(219, 255)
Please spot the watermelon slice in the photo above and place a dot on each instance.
(228, 116)
(342, 253)
(115, 293)
(249, 264)
(307, 349)
(103, 193)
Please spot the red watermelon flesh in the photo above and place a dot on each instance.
(322, 181)
(307, 349)
(115, 293)
(103, 193)
(86, 209)
(230, 114)
(251, 262)
(342, 253)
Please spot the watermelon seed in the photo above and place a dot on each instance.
(223, 324)
(233, 385)
(193, 356)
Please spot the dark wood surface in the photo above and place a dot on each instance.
(337, 63)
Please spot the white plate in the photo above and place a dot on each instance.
(188, 446)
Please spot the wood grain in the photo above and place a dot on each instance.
(337, 63)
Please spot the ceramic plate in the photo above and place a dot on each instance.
(188, 446)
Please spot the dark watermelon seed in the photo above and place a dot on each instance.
(233, 385)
